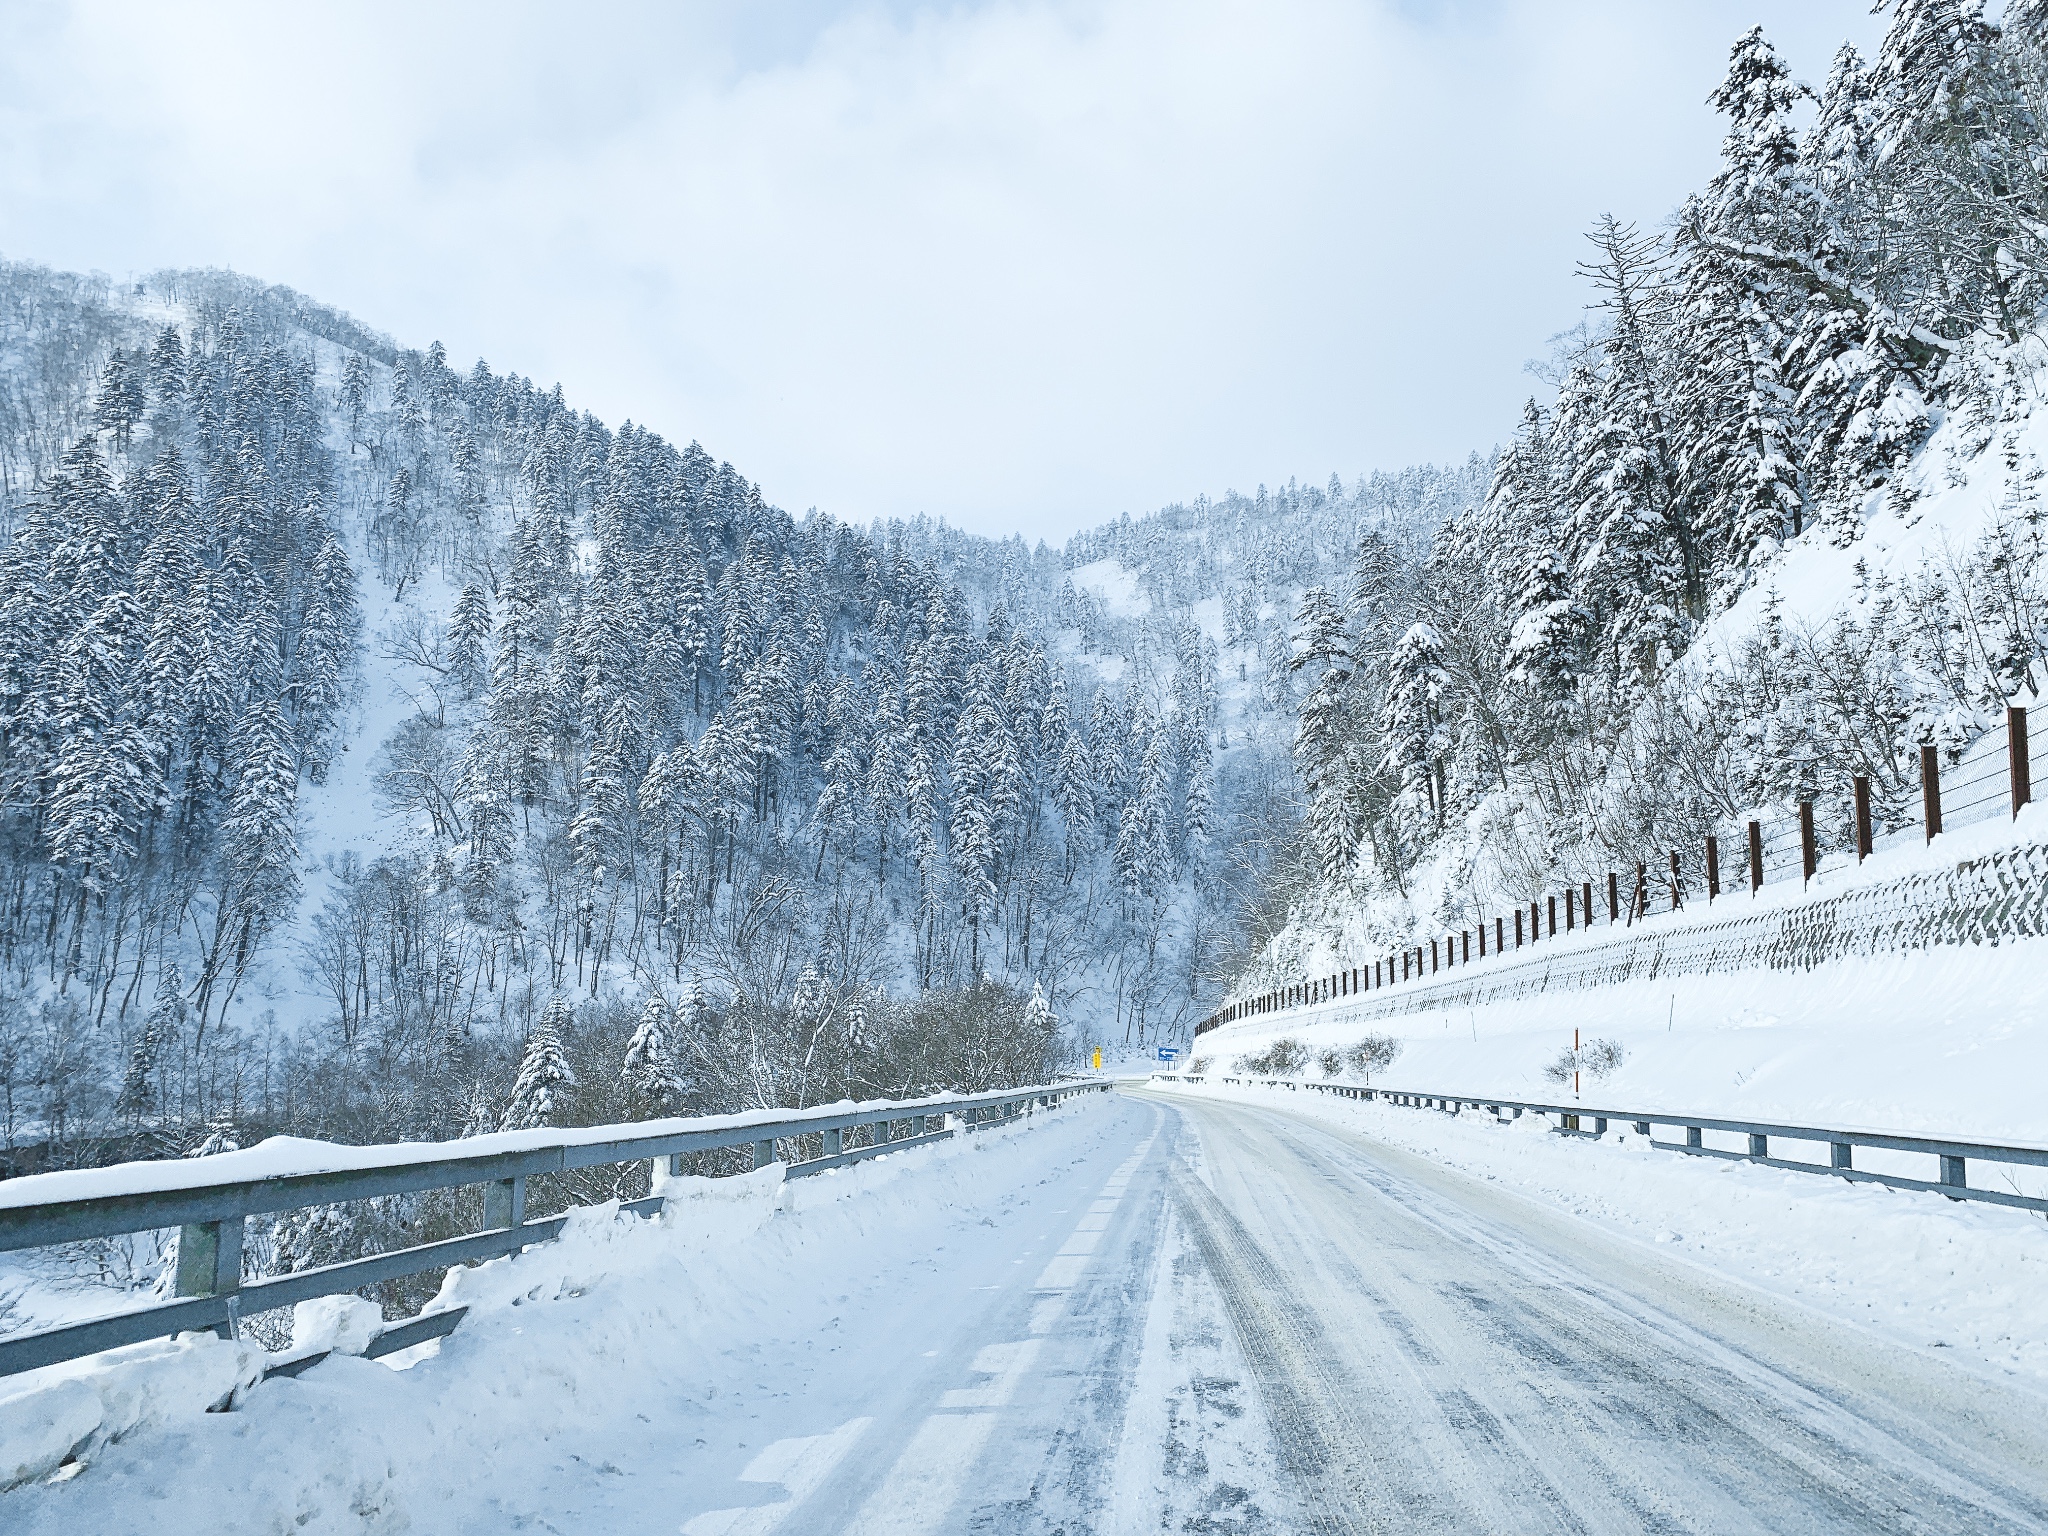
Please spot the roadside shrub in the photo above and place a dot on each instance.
(1601, 1057)
(1282, 1058)
(1199, 1067)
(1596, 1059)
(1375, 1053)
(1331, 1061)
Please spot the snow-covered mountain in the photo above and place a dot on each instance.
(392, 750)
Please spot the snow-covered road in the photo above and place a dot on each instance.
(1160, 1312)
(1436, 1354)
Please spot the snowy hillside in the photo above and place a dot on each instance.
(1778, 527)
(398, 751)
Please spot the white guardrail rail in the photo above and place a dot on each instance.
(211, 1213)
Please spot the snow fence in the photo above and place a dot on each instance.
(1996, 896)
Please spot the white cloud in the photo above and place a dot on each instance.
(1024, 265)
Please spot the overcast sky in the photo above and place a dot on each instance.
(1022, 265)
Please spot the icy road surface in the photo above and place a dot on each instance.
(1155, 1314)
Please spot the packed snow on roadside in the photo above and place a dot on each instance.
(1951, 1041)
(1967, 1279)
(566, 1336)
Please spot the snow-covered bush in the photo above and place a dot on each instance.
(1281, 1058)
(1375, 1053)
(1600, 1058)
(1597, 1059)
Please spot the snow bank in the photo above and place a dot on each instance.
(68, 1411)
(619, 1310)
(342, 1325)
(1944, 1042)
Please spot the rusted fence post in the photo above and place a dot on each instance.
(1552, 902)
(1756, 857)
(1677, 893)
(2016, 757)
(1809, 854)
(1930, 789)
(1586, 901)
(1713, 868)
(1466, 943)
(1500, 935)
(1570, 901)
(1518, 927)
(1613, 898)
(1864, 839)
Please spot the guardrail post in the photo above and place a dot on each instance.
(1840, 1154)
(1809, 855)
(210, 1258)
(505, 1203)
(1713, 868)
(1642, 1128)
(1952, 1173)
(1756, 857)
(1759, 1146)
(1692, 1136)
(1930, 789)
(764, 1153)
(2016, 757)
(1864, 841)
(835, 1143)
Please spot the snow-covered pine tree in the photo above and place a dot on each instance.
(1418, 744)
(141, 1095)
(260, 851)
(1641, 560)
(654, 1081)
(1731, 406)
(469, 637)
(355, 397)
(540, 1093)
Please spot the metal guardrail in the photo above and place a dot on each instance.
(1954, 1157)
(211, 1217)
